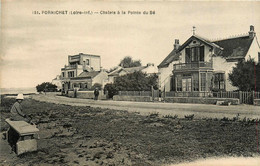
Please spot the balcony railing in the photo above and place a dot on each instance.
(67, 67)
(192, 65)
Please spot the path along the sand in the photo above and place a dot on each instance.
(180, 109)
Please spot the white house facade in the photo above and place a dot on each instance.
(200, 65)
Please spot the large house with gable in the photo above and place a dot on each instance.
(201, 65)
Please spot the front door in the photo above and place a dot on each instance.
(186, 84)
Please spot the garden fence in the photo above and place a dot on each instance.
(244, 97)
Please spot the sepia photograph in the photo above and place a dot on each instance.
(122, 83)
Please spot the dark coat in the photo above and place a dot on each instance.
(96, 92)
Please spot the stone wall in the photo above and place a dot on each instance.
(199, 100)
(257, 102)
(86, 95)
(196, 100)
(132, 98)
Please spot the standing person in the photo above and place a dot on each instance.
(96, 93)
(16, 110)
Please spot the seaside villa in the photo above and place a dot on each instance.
(201, 65)
(82, 71)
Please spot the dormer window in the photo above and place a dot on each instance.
(194, 54)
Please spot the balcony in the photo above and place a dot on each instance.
(68, 67)
(193, 65)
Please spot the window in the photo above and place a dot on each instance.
(186, 84)
(179, 83)
(201, 53)
(194, 54)
(203, 81)
(219, 81)
(195, 82)
(173, 86)
(187, 55)
(87, 61)
(63, 74)
(71, 74)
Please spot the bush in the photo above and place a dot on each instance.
(111, 89)
(46, 87)
(96, 85)
(244, 75)
(137, 81)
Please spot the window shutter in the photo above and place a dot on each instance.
(196, 59)
(258, 57)
(201, 54)
(187, 55)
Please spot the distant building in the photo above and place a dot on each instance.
(201, 65)
(82, 71)
(87, 79)
(58, 82)
(120, 71)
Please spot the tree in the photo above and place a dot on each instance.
(246, 75)
(96, 85)
(137, 81)
(111, 89)
(129, 62)
(47, 87)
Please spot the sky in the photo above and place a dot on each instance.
(34, 47)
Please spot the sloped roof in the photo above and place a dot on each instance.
(133, 69)
(115, 72)
(173, 56)
(127, 70)
(85, 74)
(234, 48)
(230, 48)
(203, 40)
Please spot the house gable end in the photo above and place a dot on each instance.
(195, 38)
(253, 51)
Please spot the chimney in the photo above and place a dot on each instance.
(251, 32)
(176, 44)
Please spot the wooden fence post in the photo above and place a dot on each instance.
(253, 97)
(240, 97)
(152, 92)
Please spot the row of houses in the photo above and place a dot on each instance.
(84, 71)
(197, 65)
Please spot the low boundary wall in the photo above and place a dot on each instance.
(200, 100)
(133, 98)
(257, 102)
(197, 100)
(86, 95)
